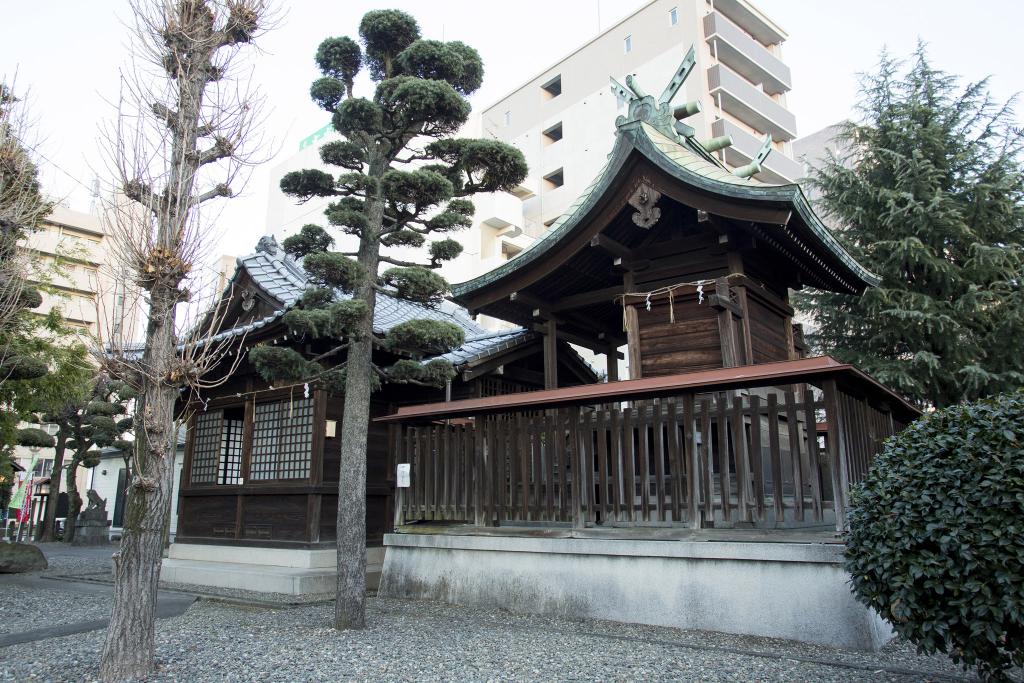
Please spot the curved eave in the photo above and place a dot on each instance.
(657, 148)
(654, 145)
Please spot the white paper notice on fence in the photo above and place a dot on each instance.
(404, 475)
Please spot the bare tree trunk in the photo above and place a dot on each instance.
(47, 530)
(350, 602)
(128, 650)
(74, 499)
(160, 239)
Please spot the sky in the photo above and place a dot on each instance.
(67, 54)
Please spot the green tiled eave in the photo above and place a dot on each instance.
(692, 166)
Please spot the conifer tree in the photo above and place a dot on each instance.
(927, 193)
(88, 416)
(403, 179)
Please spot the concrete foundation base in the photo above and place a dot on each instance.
(92, 532)
(797, 591)
(264, 570)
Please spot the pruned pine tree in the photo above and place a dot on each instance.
(64, 370)
(22, 208)
(403, 181)
(35, 362)
(95, 417)
(52, 399)
(185, 128)
(929, 194)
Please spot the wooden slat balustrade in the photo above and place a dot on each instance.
(712, 452)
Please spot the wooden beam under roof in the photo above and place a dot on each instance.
(611, 246)
(595, 345)
(605, 295)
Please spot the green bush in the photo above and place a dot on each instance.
(936, 540)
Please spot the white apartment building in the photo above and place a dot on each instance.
(563, 119)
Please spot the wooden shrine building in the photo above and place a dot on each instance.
(690, 266)
(536, 487)
(262, 463)
(638, 500)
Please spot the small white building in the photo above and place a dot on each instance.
(109, 480)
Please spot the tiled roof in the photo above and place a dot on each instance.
(486, 345)
(688, 162)
(282, 278)
(285, 280)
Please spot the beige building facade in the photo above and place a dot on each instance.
(72, 254)
(72, 261)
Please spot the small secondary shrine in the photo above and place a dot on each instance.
(258, 493)
(639, 500)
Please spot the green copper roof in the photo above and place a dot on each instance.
(687, 161)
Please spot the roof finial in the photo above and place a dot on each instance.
(660, 114)
(268, 245)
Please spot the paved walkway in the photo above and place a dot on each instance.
(49, 604)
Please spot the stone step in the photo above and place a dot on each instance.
(259, 578)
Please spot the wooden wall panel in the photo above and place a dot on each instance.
(690, 343)
(274, 518)
(328, 518)
(207, 516)
(767, 332)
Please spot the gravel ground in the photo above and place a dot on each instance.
(407, 640)
(76, 561)
(25, 609)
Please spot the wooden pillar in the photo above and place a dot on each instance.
(248, 420)
(726, 324)
(612, 356)
(735, 260)
(551, 355)
(835, 444)
(632, 331)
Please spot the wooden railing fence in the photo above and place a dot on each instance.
(695, 459)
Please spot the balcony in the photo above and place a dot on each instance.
(778, 168)
(499, 209)
(774, 445)
(751, 20)
(750, 105)
(744, 55)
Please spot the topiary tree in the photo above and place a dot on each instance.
(936, 539)
(98, 420)
(403, 180)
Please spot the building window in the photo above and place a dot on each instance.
(673, 16)
(229, 467)
(627, 43)
(282, 440)
(206, 447)
(554, 179)
(508, 118)
(79, 235)
(553, 88)
(553, 134)
(217, 447)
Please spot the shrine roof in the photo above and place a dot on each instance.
(685, 160)
(283, 279)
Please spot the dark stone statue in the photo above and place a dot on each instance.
(92, 525)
